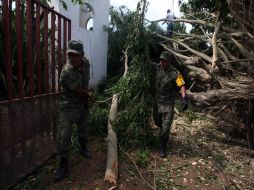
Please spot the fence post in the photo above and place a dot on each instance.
(53, 51)
(46, 61)
(29, 48)
(38, 50)
(19, 49)
(65, 39)
(59, 51)
(7, 49)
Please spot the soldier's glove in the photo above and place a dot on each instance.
(184, 104)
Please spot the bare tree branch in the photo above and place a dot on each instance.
(126, 62)
(202, 22)
(174, 52)
(223, 54)
(214, 96)
(214, 44)
(242, 49)
(205, 57)
(199, 73)
(238, 60)
(227, 52)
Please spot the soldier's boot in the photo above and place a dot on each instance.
(83, 148)
(163, 148)
(62, 169)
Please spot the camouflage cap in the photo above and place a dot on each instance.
(165, 55)
(75, 46)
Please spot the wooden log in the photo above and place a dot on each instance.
(111, 174)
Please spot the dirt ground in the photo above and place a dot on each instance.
(202, 155)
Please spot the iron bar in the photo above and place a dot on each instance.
(53, 51)
(19, 49)
(59, 51)
(65, 39)
(29, 48)
(69, 30)
(7, 49)
(46, 64)
(38, 49)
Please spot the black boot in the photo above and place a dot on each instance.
(62, 170)
(163, 147)
(83, 149)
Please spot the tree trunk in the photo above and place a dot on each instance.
(111, 174)
(214, 44)
(214, 96)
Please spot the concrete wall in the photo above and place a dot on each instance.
(96, 41)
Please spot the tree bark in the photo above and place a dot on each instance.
(215, 96)
(214, 44)
(227, 52)
(199, 73)
(175, 53)
(111, 174)
(244, 51)
(126, 62)
(202, 22)
(199, 54)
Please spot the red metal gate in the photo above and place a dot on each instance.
(33, 40)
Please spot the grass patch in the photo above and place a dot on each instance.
(143, 157)
(191, 116)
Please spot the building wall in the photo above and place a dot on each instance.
(96, 41)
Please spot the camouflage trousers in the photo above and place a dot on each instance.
(65, 130)
(164, 121)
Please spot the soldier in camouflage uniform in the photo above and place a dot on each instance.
(168, 81)
(74, 103)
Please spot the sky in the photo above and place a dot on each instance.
(157, 9)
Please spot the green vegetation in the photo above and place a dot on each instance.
(143, 157)
(191, 116)
(135, 103)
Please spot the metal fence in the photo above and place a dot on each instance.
(33, 40)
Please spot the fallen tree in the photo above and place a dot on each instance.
(217, 57)
(216, 54)
(127, 93)
(219, 54)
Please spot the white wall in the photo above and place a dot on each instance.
(96, 41)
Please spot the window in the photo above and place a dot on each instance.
(86, 16)
(89, 25)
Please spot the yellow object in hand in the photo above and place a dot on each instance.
(180, 81)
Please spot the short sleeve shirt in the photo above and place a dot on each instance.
(170, 17)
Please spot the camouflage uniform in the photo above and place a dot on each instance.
(73, 109)
(168, 81)
(166, 91)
